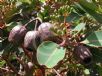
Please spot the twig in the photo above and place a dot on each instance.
(5, 69)
(34, 60)
(11, 66)
(56, 72)
(22, 63)
(36, 22)
(63, 43)
(32, 21)
(64, 70)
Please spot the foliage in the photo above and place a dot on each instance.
(49, 53)
(72, 35)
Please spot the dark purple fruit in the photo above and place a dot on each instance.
(83, 54)
(45, 31)
(17, 34)
(32, 40)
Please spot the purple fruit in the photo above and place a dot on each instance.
(32, 40)
(17, 34)
(83, 54)
(45, 31)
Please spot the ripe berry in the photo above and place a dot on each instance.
(32, 40)
(83, 54)
(17, 34)
(44, 30)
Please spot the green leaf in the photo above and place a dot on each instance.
(42, 1)
(9, 14)
(72, 17)
(0, 44)
(3, 43)
(97, 54)
(49, 54)
(90, 8)
(25, 1)
(7, 49)
(2, 63)
(79, 27)
(94, 39)
(11, 25)
(99, 69)
(88, 4)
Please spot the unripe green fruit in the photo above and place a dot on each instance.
(83, 54)
(17, 34)
(32, 40)
(45, 31)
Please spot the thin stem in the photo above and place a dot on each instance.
(36, 22)
(56, 72)
(63, 43)
(64, 20)
(32, 21)
(29, 22)
(22, 63)
(5, 69)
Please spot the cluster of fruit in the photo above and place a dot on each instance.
(31, 39)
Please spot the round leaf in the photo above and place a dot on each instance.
(49, 54)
